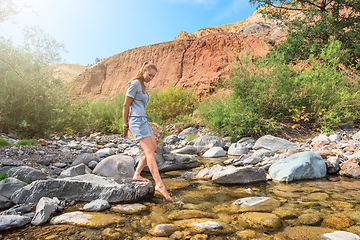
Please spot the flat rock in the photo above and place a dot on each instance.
(84, 188)
(26, 174)
(273, 143)
(13, 221)
(240, 175)
(129, 208)
(94, 219)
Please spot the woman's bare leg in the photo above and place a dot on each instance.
(140, 167)
(149, 146)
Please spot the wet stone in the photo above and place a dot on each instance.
(309, 219)
(129, 208)
(260, 221)
(188, 214)
(255, 204)
(84, 219)
(337, 221)
(163, 230)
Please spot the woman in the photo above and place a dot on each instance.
(135, 118)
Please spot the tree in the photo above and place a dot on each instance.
(28, 93)
(320, 21)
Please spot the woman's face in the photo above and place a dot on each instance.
(149, 74)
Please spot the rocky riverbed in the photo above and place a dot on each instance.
(268, 188)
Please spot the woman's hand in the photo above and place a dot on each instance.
(125, 130)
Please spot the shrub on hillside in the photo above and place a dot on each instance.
(320, 93)
(165, 106)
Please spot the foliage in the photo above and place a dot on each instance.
(268, 89)
(3, 176)
(26, 142)
(165, 106)
(28, 93)
(102, 114)
(321, 21)
(4, 142)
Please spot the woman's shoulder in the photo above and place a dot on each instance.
(135, 82)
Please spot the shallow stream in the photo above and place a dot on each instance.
(334, 199)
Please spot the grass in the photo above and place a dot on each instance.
(4, 142)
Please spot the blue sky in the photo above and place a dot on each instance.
(92, 29)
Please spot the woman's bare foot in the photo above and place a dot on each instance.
(164, 192)
(140, 178)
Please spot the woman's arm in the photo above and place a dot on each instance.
(126, 109)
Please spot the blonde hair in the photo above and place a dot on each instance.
(140, 75)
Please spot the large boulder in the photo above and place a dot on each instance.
(204, 143)
(26, 174)
(273, 143)
(84, 188)
(117, 166)
(85, 158)
(9, 185)
(303, 165)
(238, 149)
(240, 175)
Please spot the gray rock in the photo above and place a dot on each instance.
(117, 166)
(45, 207)
(240, 175)
(13, 221)
(84, 188)
(188, 131)
(7, 162)
(262, 153)
(74, 171)
(26, 174)
(209, 172)
(132, 151)
(92, 164)
(105, 152)
(96, 205)
(215, 152)
(335, 138)
(340, 235)
(180, 162)
(172, 139)
(273, 143)
(355, 155)
(237, 149)
(110, 145)
(5, 202)
(303, 165)
(252, 160)
(74, 145)
(85, 158)
(206, 142)
(189, 149)
(254, 28)
(356, 136)
(333, 164)
(248, 142)
(9, 185)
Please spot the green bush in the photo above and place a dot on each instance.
(165, 106)
(4, 142)
(26, 142)
(3, 176)
(319, 93)
(28, 93)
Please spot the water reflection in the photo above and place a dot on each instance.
(332, 202)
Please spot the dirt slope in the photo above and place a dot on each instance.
(197, 63)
